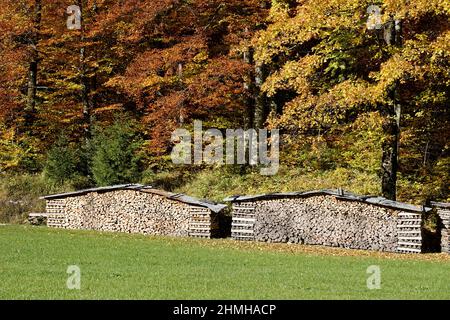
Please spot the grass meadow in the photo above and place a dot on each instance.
(34, 263)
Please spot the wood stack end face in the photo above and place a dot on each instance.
(243, 222)
(56, 213)
(409, 232)
(203, 223)
(444, 215)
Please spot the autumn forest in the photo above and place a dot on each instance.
(362, 107)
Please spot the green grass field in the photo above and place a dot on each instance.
(34, 261)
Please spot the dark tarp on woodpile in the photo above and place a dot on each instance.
(215, 207)
(338, 194)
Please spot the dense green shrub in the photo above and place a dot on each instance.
(62, 161)
(115, 154)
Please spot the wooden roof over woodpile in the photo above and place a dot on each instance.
(86, 191)
(441, 204)
(215, 207)
(338, 194)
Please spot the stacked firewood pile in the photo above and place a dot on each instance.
(37, 219)
(443, 210)
(322, 220)
(132, 211)
(128, 211)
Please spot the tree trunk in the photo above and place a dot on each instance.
(30, 110)
(390, 161)
(250, 89)
(391, 127)
(261, 105)
(85, 87)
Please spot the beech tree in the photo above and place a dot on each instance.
(327, 69)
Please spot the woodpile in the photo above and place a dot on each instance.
(325, 217)
(443, 211)
(128, 211)
(37, 219)
(326, 221)
(145, 211)
(329, 220)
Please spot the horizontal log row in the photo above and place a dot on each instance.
(131, 211)
(55, 206)
(409, 232)
(57, 220)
